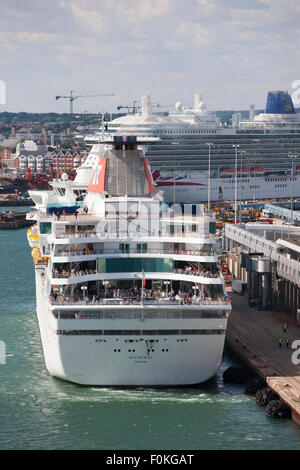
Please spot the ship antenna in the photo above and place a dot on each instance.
(102, 125)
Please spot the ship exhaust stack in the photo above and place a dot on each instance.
(123, 171)
(279, 102)
(251, 112)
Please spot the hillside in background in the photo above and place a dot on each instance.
(52, 119)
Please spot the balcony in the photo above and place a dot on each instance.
(149, 266)
(115, 251)
(131, 292)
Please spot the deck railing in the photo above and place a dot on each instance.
(87, 272)
(144, 302)
(115, 251)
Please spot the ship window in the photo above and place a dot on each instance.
(124, 247)
(141, 248)
(70, 228)
(212, 227)
(45, 227)
(86, 228)
(115, 265)
(140, 332)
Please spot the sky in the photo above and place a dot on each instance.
(232, 52)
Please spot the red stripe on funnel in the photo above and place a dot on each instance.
(150, 185)
(98, 179)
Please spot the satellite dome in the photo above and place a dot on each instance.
(64, 176)
(179, 106)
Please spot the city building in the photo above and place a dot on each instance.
(64, 161)
(32, 158)
(7, 149)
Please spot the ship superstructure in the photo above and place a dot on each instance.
(193, 147)
(129, 291)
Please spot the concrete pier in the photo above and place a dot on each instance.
(253, 336)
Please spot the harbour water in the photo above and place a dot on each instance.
(38, 411)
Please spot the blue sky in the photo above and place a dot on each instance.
(230, 51)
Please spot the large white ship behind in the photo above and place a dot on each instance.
(128, 290)
(197, 159)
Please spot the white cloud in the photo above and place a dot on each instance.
(39, 38)
(92, 20)
(233, 51)
(195, 33)
(171, 45)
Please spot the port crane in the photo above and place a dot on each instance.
(72, 98)
(134, 108)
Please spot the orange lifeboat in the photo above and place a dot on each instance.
(227, 172)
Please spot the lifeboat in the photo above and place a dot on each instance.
(258, 171)
(41, 260)
(35, 252)
(227, 172)
(38, 258)
(29, 233)
(33, 239)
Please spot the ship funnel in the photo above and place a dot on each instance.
(199, 104)
(146, 106)
(251, 112)
(124, 171)
(197, 99)
(279, 102)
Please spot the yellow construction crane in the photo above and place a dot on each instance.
(72, 98)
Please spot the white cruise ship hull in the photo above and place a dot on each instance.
(194, 188)
(129, 360)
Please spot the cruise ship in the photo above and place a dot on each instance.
(128, 288)
(197, 159)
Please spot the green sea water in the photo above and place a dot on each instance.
(38, 411)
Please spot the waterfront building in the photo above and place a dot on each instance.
(264, 262)
(64, 161)
(7, 150)
(32, 158)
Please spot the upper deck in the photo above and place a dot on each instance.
(129, 219)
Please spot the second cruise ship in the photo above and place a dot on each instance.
(197, 159)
